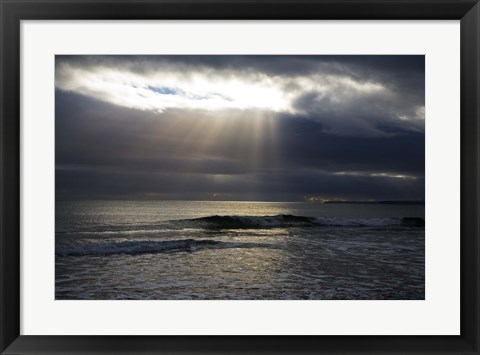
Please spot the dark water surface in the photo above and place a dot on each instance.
(238, 250)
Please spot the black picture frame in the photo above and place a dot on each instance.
(12, 12)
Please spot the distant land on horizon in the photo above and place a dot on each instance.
(379, 202)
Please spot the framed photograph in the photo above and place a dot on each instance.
(239, 177)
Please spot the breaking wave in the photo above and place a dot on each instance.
(287, 221)
(150, 247)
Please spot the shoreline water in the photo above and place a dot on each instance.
(165, 250)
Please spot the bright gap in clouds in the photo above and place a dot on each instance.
(384, 175)
(164, 90)
(343, 98)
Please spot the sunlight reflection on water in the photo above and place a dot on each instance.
(128, 250)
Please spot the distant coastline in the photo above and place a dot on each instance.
(378, 202)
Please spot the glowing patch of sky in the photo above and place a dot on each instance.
(385, 175)
(162, 90)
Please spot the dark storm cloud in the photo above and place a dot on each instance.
(108, 138)
(284, 186)
(358, 135)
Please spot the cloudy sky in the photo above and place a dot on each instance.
(273, 128)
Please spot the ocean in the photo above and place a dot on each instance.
(213, 250)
